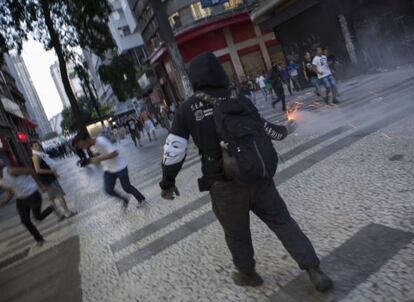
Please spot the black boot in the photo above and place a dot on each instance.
(320, 280)
(247, 279)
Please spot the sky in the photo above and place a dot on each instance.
(38, 63)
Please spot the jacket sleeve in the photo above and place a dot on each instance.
(175, 151)
(275, 132)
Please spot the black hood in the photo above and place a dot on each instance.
(207, 73)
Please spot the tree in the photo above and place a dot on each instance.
(62, 25)
(88, 111)
(81, 69)
(122, 76)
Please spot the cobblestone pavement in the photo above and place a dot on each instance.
(346, 175)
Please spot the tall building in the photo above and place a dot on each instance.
(127, 37)
(16, 128)
(33, 104)
(221, 27)
(55, 122)
(75, 82)
(55, 72)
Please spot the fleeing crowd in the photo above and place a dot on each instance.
(318, 69)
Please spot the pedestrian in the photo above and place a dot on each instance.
(294, 75)
(147, 121)
(261, 82)
(276, 79)
(45, 167)
(164, 118)
(238, 164)
(133, 129)
(309, 73)
(245, 90)
(285, 77)
(321, 67)
(114, 165)
(331, 60)
(18, 182)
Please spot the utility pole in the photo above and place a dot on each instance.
(168, 37)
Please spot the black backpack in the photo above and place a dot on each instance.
(247, 151)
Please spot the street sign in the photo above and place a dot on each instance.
(209, 3)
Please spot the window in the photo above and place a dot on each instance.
(199, 12)
(232, 4)
(124, 31)
(116, 15)
(175, 20)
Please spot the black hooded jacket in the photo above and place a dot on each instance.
(195, 117)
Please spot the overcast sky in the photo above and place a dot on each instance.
(38, 63)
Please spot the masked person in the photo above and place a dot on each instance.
(238, 165)
(18, 182)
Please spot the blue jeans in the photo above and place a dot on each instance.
(315, 83)
(264, 91)
(329, 82)
(109, 185)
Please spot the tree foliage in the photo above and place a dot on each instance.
(122, 76)
(62, 25)
(88, 112)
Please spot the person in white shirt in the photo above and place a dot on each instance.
(18, 182)
(321, 67)
(261, 81)
(114, 165)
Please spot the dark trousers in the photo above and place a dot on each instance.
(135, 136)
(232, 204)
(280, 93)
(34, 203)
(110, 180)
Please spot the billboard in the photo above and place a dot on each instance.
(209, 3)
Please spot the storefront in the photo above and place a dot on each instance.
(242, 48)
(364, 35)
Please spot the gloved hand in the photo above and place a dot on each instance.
(170, 193)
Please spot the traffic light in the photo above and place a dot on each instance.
(22, 137)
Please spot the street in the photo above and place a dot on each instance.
(346, 174)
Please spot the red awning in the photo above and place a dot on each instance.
(29, 124)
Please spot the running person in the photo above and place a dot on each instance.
(18, 182)
(133, 128)
(115, 166)
(44, 167)
(149, 127)
(309, 73)
(321, 67)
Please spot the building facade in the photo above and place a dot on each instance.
(16, 128)
(364, 35)
(224, 29)
(25, 85)
(57, 79)
(75, 82)
(127, 37)
(55, 122)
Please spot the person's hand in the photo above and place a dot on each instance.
(170, 193)
(94, 160)
(291, 126)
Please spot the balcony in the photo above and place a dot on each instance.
(128, 42)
